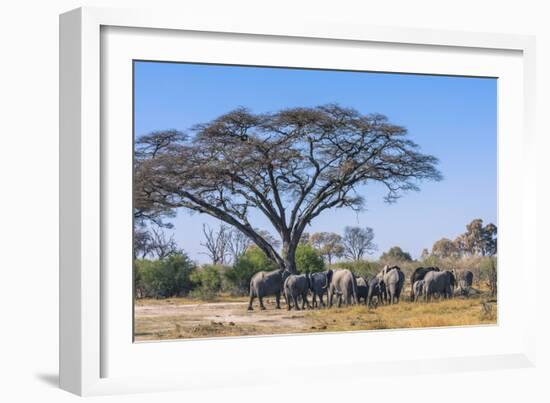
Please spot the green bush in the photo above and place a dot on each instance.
(207, 281)
(361, 268)
(308, 259)
(163, 278)
(253, 261)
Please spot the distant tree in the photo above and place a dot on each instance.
(425, 254)
(290, 166)
(328, 244)
(308, 259)
(396, 254)
(444, 248)
(274, 242)
(163, 246)
(490, 240)
(142, 242)
(460, 245)
(478, 239)
(473, 238)
(216, 243)
(357, 242)
(305, 238)
(153, 242)
(238, 244)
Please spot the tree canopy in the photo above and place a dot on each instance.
(291, 166)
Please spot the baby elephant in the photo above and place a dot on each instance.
(297, 285)
(377, 289)
(362, 289)
(418, 289)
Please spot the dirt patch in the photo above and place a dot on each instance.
(178, 319)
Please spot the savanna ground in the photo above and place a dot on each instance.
(184, 318)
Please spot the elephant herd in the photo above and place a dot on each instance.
(349, 289)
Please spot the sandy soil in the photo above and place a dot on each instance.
(169, 319)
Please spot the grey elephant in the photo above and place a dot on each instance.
(265, 283)
(419, 274)
(465, 279)
(362, 289)
(319, 286)
(394, 279)
(297, 285)
(418, 290)
(377, 289)
(442, 282)
(342, 284)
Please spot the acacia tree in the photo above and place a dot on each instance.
(328, 244)
(290, 166)
(357, 242)
(444, 248)
(478, 239)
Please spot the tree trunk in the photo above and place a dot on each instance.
(289, 256)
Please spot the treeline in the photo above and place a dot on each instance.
(177, 275)
(161, 270)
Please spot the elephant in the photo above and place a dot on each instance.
(465, 279)
(418, 289)
(377, 289)
(419, 274)
(319, 284)
(344, 285)
(297, 285)
(266, 283)
(441, 282)
(362, 289)
(394, 279)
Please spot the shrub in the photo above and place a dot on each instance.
(163, 278)
(361, 268)
(308, 259)
(207, 281)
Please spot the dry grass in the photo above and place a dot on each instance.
(182, 318)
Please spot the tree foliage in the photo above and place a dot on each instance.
(293, 166)
(328, 244)
(164, 278)
(308, 259)
(445, 248)
(396, 254)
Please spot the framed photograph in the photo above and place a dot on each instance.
(237, 192)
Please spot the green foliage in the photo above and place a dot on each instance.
(207, 281)
(308, 259)
(163, 278)
(361, 268)
(395, 254)
(251, 262)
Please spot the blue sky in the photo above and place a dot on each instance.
(452, 118)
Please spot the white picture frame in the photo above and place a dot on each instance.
(96, 354)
